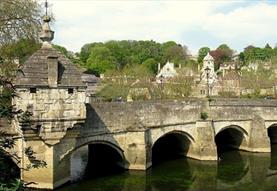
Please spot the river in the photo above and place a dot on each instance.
(236, 170)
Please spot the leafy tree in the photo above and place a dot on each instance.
(175, 54)
(227, 52)
(18, 18)
(86, 50)
(19, 26)
(21, 49)
(202, 52)
(151, 64)
(100, 60)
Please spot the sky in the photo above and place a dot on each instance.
(194, 23)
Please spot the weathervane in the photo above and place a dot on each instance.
(46, 7)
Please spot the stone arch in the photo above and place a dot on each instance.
(237, 127)
(187, 130)
(100, 156)
(231, 137)
(106, 139)
(104, 142)
(171, 144)
(272, 133)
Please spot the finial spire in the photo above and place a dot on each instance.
(46, 7)
(46, 35)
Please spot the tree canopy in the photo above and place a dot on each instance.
(202, 52)
(18, 19)
(101, 57)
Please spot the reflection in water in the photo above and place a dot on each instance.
(172, 175)
(231, 167)
(240, 171)
(273, 164)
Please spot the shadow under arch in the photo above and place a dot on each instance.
(172, 145)
(272, 133)
(96, 159)
(229, 138)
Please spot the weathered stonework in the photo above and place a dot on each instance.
(132, 129)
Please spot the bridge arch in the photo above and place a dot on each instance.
(272, 133)
(231, 137)
(171, 144)
(96, 156)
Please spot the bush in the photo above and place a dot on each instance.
(204, 115)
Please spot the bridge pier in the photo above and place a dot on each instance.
(137, 150)
(56, 172)
(259, 140)
(205, 143)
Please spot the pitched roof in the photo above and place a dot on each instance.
(231, 75)
(35, 71)
(208, 57)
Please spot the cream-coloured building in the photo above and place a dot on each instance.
(167, 71)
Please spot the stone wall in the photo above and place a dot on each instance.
(132, 129)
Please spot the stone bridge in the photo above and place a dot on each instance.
(136, 130)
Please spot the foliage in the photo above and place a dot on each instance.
(204, 115)
(202, 52)
(253, 54)
(118, 55)
(9, 171)
(256, 80)
(222, 54)
(177, 87)
(70, 55)
(18, 18)
(117, 84)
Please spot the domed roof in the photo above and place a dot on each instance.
(208, 57)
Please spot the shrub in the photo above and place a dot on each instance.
(204, 115)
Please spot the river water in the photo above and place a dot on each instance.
(236, 171)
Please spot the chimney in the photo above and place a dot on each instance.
(159, 67)
(52, 62)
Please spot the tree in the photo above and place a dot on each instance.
(202, 52)
(100, 60)
(18, 19)
(19, 26)
(227, 52)
(175, 54)
(151, 64)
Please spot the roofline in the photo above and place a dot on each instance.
(47, 87)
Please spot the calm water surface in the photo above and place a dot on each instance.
(234, 172)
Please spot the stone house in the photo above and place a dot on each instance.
(167, 71)
(224, 67)
(230, 82)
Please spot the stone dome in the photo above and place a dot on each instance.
(208, 57)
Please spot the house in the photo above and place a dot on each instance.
(167, 71)
(230, 82)
(224, 67)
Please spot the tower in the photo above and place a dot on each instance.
(207, 70)
(49, 87)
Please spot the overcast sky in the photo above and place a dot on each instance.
(194, 23)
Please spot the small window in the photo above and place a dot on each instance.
(33, 90)
(70, 90)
